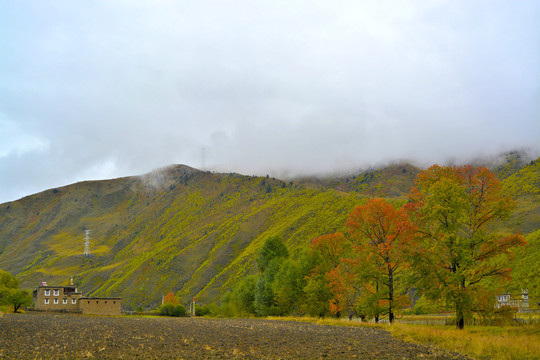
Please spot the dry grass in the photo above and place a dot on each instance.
(328, 321)
(478, 342)
(5, 309)
(481, 342)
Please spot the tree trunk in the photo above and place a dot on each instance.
(460, 306)
(458, 298)
(377, 308)
(390, 295)
(460, 321)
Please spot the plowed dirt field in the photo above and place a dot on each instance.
(65, 336)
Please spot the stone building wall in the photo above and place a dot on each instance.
(101, 306)
(57, 298)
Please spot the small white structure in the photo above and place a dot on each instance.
(520, 301)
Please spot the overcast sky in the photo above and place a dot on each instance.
(102, 89)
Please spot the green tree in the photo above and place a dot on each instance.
(243, 295)
(290, 281)
(264, 303)
(273, 248)
(318, 295)
(8, 281)
(18, 298)
(272, 255)
(452, 208)
(227, 307)
(10, 294)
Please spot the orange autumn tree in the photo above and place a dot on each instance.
(170, 298)
(382, 234)
(452, 207)
(331, 248)
(327, 250)
(346, 289)
(341, 273)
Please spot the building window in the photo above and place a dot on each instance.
(46, 301)
(73, 301)
(47, 292)
(56, 301)
(64, 301)
(56, 292)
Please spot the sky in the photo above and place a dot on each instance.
(102, 89)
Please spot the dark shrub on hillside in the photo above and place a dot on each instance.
(172, 310)
(202, 310)
(180, 310)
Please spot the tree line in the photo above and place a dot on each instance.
(436, 245)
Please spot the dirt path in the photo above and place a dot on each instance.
(63, 336)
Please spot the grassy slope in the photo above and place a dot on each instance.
(392, 181)
(179, 230)
(524, 185)
(193, 232)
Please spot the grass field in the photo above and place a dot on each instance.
(478, 342)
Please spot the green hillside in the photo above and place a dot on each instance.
(178, 229)
(524, 186)
(392, 181)
(183, 230)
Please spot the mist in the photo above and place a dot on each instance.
(109, 89)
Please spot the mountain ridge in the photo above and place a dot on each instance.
(190, 231)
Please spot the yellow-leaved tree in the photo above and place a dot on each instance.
(452, 207)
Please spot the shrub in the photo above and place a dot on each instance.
(166, 309)
(180, 310)
(202, 310)
(169, 309)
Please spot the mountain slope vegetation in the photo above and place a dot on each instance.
(178, 229)
(192, 232)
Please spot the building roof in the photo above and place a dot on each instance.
(56, 287)
(75, 292)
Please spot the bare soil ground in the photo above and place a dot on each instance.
(66, 336)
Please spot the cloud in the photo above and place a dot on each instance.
(16, 142)
(119, 88)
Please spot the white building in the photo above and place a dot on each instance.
(520, 301)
